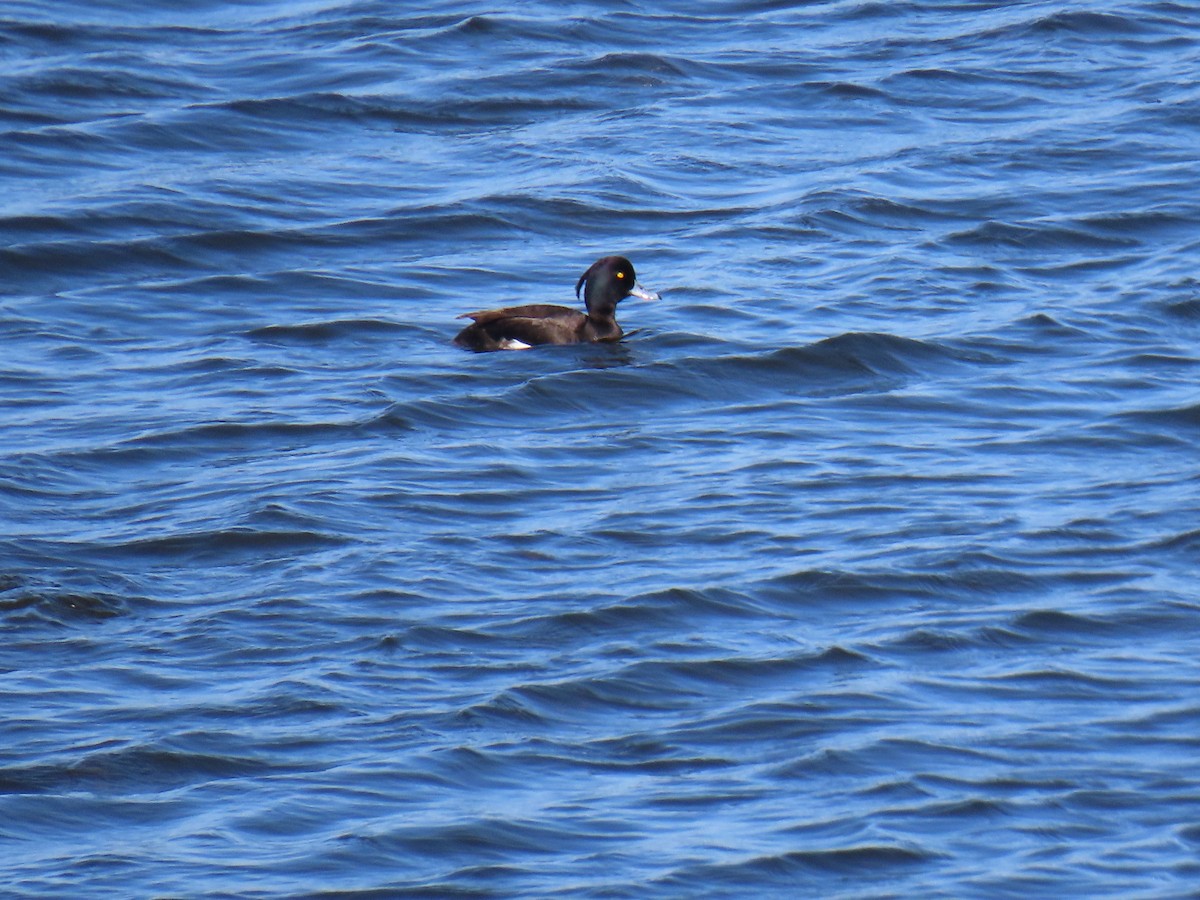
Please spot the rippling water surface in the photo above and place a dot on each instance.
(865, 565)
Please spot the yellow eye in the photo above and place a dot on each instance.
(620, 274)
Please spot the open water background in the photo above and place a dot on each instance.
(866, 566)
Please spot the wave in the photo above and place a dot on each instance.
(140, 767)
(60, 607)
(1040, 236)
(324, 332)
(800, 869)
(845, 363)
(1180, 418)
(227, 544)
(202, 438)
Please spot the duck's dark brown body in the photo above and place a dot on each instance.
(518, 327)
(608, 281)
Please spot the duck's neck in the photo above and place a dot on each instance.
(603, 325)
(601, 306)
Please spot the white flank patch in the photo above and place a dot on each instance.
(514, 344)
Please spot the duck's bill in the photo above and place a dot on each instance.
(639, 291)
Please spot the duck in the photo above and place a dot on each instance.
(607, 282)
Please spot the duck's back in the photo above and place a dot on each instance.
(516, 326)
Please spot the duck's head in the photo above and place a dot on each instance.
(609, 281)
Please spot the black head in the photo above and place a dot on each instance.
(609, 281)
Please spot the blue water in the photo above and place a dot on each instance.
(866, 565)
